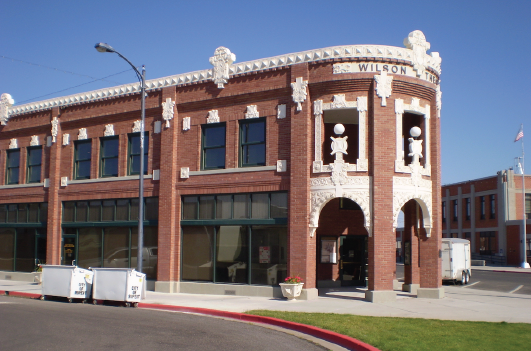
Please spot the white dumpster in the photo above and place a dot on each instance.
(71, 282)
(118, 284)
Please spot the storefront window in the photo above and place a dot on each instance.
(232, 254)
(7, 249)
(269, 245)
(197, 253)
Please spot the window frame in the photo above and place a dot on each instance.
(205, 148)
(31, 167)
(77, 161)
(9, 179)
(245, 145)
(492, 200)
(103, 158)
(130, 154)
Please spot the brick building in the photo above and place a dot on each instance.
(293, 164)
(488, 212)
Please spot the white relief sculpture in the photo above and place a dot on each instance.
(362, 163)
(299, 92)
(109, 130)
(13, 143)
(318, 114)
(318, 107)
(55, 124)
(213, 116)
(282, 166)
(362, 103)
(399, 111)
(339, 145)
(34, 140)
(439, 99)
(66, 139)
(136, 126)
(415, 105)
(186, 123)
(339, 101)
(64, 181)
(221, 61)
(416, 41)
(82, 134)
(427, 114)
(6, 101)
(252, 112)
(405, 193)
(185, 172)
(415, 146)
(383, 86)
(168, 111)
(281, 111)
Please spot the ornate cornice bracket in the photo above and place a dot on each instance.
(299, 92)
(383, 86)
(221, 61)
(6, 101)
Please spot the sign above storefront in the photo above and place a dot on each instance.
(371, 67)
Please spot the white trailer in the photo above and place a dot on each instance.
(456, 262)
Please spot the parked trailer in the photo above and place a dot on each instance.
(456, 263)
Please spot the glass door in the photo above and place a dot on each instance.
(352, 260)
(69, 250)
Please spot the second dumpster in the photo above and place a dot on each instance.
(118, 284)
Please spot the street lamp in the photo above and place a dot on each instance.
(103, 47)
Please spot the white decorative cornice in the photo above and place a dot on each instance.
(6, 101)
(213, 116)
(281, 111)
(55, 124)
(383, 86)
(167, 111)
(13, 143)
(136, 126)
(109, 130)
(439, 99)
(34, 140)
(82, 135)
(221, 61)
(299, 92)
(186, 123)
(358, 52)
(252, 112)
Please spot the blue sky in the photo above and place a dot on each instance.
(484, 45)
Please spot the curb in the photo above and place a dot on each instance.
(497, 271)
(20, 294)
(336, 338)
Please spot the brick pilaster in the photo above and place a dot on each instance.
(53, 238)
(411, 271)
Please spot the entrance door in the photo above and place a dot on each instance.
(69, 250)
(353, 259)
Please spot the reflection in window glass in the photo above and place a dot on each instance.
(134, 210)
(95, 211)
(89, 247)
(197, 253)
(68, 211)
(151, 208)
(82, 158)
(12, 213)
(190, 207)
(108, 210)
(116, 247)
(22, 213)
(232, 254)
(269, 247)
(122, 210)
(279, 205)
(252, 143)
(213, 155)
(134, 153)
(12, 166)
(7, 249)
(241, 206)
(206, 207)
(109, 157)
(150, 253)
(81, 211)
(224, 206)
(25, 261)
(3, 213)
(259, 206)
(43, 213)
(34, 164)
(33, 213)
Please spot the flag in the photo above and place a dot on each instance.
(520, 134)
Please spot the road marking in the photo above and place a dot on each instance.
(515, 290)
(469, 285)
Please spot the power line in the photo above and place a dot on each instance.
(59, 91)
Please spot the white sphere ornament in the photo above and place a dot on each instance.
(339, 129)
(415, 132)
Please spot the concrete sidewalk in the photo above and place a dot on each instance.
(459, 303)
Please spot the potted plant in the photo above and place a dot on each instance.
(37, 274)
(292, 287)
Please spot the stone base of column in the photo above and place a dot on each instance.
(379, 296)
(167, 287)
(410, 288)
(430, 293)
(309, 294)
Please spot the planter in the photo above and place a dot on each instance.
(37, 277)
(291, 291)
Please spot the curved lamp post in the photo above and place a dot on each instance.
(103, 47)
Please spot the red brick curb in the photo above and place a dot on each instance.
(336, 338)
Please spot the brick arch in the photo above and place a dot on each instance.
(424, 202)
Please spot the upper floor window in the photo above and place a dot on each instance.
(213, 146)
(528, 205)
(109, 157)
(252, 142)
(133, 166)
(82, 157)
(482, 207)
(33, 174)
(455, 211)
(444, 211)
(12, 166)
(492, 206)
(467, 204)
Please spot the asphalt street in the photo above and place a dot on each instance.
(51, 325)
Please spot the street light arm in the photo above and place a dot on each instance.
(103, 47)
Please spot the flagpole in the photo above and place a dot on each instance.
(524, 234)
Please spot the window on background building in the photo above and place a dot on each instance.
(528, 205)
(455, 235)
(467, 206)
(487, 243)
(33, 174)
(252, 142)
(12, 166)
(468, 236)
(213, 146)
(444, 211)
(492, 199)
(109, 157)
(455, 211)
(82, 158)
(133, 166)
(482, 207)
